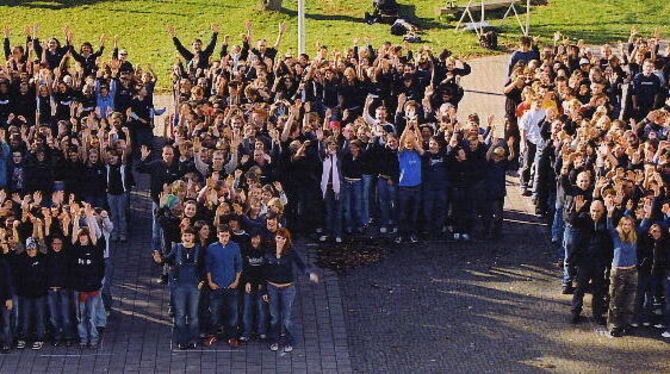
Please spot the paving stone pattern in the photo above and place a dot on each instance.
(482, 307)
(435, 307)
(138, 338)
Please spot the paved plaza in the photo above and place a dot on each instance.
(436, 307)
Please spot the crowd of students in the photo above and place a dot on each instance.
(593, 132)
(327, 146)
(259, 143)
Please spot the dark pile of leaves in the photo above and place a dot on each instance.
(353, 253)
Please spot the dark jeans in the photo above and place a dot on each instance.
(281, 302)
(434, 207)
(644, 298)
(368, 197)
(204, 314)
(462, 209)
(666, 294)
(623, 287)
(387, 196)
(527, 165)
(187, 327)
(590, 270)
(409, 200)
(60, 313)
(333, 213)
(351, 195)
(6, 337)
(32, 312)
(492, 218)
(117, 212)
(253, 304)
(106, 291)
(223, 306)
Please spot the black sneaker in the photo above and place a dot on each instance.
(601, 321)
(182, 347)
(413, 239)
(568, 290)
(575, 319)
(193, 346)
(398, 240)
(5, 349)
(616, 332)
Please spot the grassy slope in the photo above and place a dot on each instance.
(141, 23)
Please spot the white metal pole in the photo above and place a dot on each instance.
(527, 17)
(301, 26)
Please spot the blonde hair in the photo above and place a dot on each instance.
(630, 237)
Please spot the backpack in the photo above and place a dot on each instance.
(399, 28)
(489, 40)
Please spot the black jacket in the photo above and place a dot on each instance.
(161, 173)
(30, 275)
(88, 268)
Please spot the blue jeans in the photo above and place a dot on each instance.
(6, 338)
(117, 211)
(352, 204)
(60, 312)
(223, 299)
(107, 284)
(156, 231)
(88, 332)
(368, 200)
(253, 302)
(185, 298)
(32, 309)
(281, 302)
(409, 199)
(570, 237)
(387, 199)
(434, 207)
(333, 213)
(558, 225)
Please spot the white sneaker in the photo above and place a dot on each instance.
(288, 348)
(413, 239)
(383, 230)
(635, 325)
(323, 238)
(338, 239)
(319, 230)
(659, 326)
(466, 237)
(666, 334)
(457, 236)
(274, 347)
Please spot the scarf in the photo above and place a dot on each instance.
(330, 165)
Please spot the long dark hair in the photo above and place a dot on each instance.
(288, 244)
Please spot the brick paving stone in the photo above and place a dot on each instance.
(139, 330)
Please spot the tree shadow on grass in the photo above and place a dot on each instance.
(50, 4)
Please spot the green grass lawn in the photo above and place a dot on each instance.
(141, 23)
